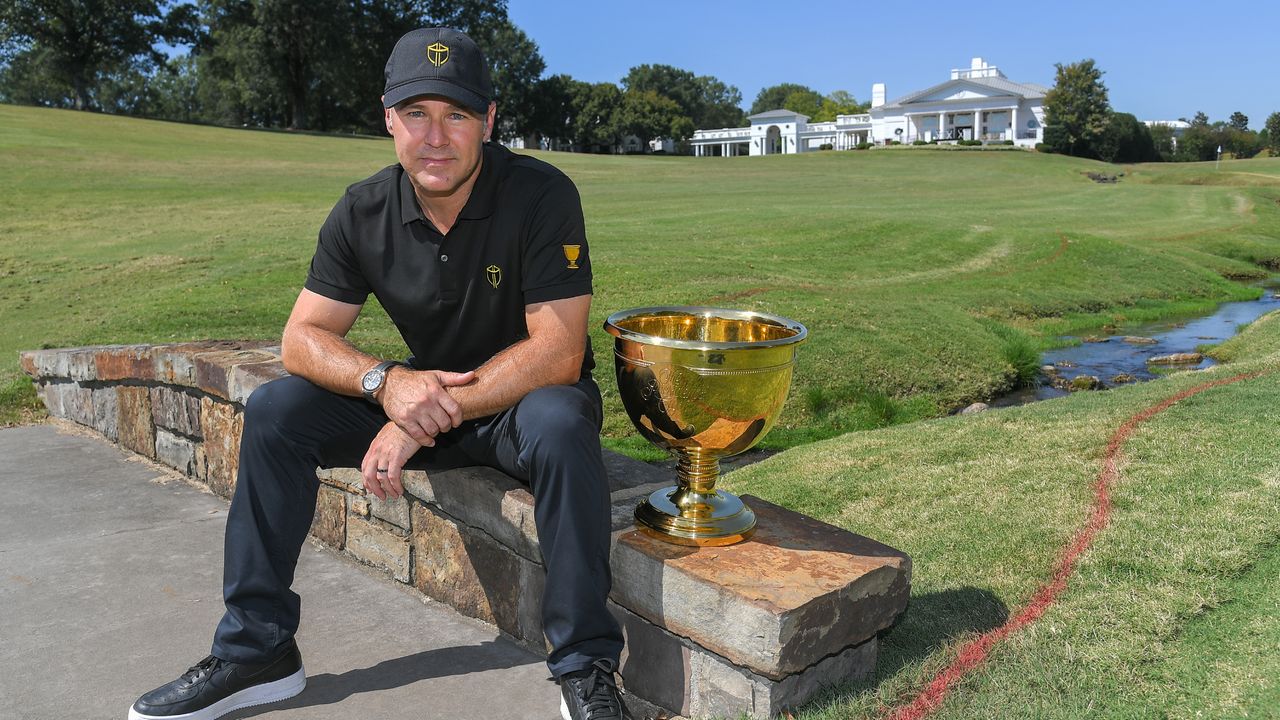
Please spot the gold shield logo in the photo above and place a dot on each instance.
(494, 273)
(571, 254)
(438, 53)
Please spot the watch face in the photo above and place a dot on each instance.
(372, 380)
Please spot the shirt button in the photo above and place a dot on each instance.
(444, 258)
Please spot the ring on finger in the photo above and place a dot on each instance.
(382, 470)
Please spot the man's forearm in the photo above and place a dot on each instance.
(515, 372)
(325, 358)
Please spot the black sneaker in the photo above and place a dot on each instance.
(591, 694)
(214, 687)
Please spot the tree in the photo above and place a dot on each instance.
(1076, 109)
(1272, 128)
(1200, 120)
(704, 100)
(840, 102)
(1239, 121)
(595, 116)
(1126, 140)
(647, 115)
(69, 46)
(776, 97)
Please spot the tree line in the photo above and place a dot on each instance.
(318, 65)
(1079, 121)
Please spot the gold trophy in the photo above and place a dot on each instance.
(703, 384)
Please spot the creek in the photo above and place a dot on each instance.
(1127, 352)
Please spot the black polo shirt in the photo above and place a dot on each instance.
(458, 299)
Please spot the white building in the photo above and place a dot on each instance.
(979, 103)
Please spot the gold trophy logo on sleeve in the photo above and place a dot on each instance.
(703, 384)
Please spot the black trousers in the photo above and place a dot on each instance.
(550, 440)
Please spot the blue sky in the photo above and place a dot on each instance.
(1162, 60)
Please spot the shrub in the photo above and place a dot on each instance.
(895, 142)
(1041, 147)
(826, 146)
(919, 142)
(862, 146)
(1006, 142)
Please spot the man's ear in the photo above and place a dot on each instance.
(387, 115)
(490, 118)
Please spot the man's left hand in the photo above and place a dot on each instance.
(385, 459)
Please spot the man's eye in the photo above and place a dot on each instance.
(457, 116)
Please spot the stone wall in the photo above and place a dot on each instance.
(751, 629)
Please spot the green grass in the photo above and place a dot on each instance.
(1172, 613)
(926, 278)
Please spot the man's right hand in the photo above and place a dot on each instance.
(418, 401)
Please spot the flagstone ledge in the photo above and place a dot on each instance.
(754, 629)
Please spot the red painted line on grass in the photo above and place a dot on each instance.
(975, 652)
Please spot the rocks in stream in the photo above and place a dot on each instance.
(1123, 378)
(1191, 358)
(1085, 382)
(1139, 340)
(975, 408)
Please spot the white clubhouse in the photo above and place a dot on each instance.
(979, 103)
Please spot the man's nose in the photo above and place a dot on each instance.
(435, 135)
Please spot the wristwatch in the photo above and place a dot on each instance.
(373, 380)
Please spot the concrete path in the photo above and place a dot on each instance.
(111, 581)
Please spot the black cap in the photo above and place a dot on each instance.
(438, 61)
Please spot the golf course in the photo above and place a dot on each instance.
(1109, 554)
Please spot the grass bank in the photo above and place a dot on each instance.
(926, 278)
(1173, 611)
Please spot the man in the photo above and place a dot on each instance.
(480, 258)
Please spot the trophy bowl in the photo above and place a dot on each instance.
(703, 384)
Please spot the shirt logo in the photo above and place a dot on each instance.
(571, 254)
(438, 53)
(494, 274)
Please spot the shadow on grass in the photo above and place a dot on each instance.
(931, 621)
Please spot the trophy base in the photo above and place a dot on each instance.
(717, 518)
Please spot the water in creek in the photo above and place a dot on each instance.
(1117, 356)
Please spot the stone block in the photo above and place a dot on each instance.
(176, 411)
(106, 412)
(345, 479)
(360, 506)
(176, 451)
(46, 364)
(374, 544)
(533, 582)
(626, 473)
(465, 569)
(79, 405)
(133, 420)
(27, 360)
(330, 522)
(680, 677)
(124, 362)
(798, 591)
(221, 424)
(51, 395)
(392, 510)
(81, 364)
(214, 367)
(484, 498)
(172, 365)
(246, 378)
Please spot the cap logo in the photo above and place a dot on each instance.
(438, 53)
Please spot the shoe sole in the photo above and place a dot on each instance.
(276, 691)
(564, 709)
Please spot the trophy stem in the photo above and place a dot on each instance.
(694, 512)
(697, 472)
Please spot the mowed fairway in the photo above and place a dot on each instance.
(919, 274)
(925, 277)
